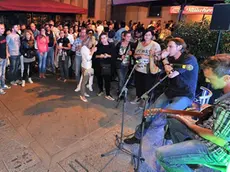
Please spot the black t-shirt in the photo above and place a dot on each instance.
(102, 49)
(108, 49)
(2, 47)
(51, 39)
(186, 82)
(64, 41)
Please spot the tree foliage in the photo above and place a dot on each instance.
(201, 40)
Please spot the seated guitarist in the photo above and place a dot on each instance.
(209, 143)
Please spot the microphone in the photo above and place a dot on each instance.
(183, 66)
(138, 60)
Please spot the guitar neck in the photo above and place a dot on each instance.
(151, 112)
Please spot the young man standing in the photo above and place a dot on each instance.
(3, 59)
(13, 43)
(212, 146)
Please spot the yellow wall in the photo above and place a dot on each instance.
(197, 18)
(136, 13)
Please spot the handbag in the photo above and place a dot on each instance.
(105, 69)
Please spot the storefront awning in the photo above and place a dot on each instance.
(119, 2)
(48, 6)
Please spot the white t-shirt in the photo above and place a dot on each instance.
(100, 29)
(145, 50)
(71, 38)
(86, 58)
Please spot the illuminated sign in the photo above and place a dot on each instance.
(192, 10)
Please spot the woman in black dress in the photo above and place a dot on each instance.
(104, 64)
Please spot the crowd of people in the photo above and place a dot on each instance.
(81, 50)
(104, 49)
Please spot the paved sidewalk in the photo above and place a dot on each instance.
(46, 127)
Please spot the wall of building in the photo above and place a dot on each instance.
(134, 13)
(102, 10)
(137, 13)
(197, 18)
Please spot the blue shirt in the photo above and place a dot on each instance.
(186, 82)
(118, 34)
(76, 43)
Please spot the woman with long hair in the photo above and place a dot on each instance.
(29, 54)
(87, 52)
(42, 43)
(104, 64)
(143, 77)
(123, 61)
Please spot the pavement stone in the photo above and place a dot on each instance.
(45, 127)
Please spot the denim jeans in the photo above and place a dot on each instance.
(78, 60)
(176, 103)
(174, 158)
(50, 58)
(21, 65)
(122, 72)
(26, 73)
(42, 62)
(178, 132)
(2, 72)
(14, 66)
(63, 64)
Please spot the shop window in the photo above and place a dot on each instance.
(91, 8)
(154, 11)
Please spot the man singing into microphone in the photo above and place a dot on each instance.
(181, 85)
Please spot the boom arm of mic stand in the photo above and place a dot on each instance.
(124, 88)
(145, 95)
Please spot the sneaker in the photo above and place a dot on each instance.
(100, 93)
(18, 82)
(6, 87)
(83, 99)
(89, 87)
(86, 95)
(30, 80)
(2, 92)
(135, 101)
(23, 83)
(77, 89)
(109, 98)
(132, 140)
(13, 83)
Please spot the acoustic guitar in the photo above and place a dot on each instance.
(202, 115)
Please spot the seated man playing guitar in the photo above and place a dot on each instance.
(211, 139)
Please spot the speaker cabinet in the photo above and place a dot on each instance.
(220, 17)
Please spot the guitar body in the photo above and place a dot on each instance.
(207, 112)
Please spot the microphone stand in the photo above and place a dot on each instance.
(146, 98)
(119, 140)
(124, 87)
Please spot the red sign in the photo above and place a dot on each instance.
(192, 10)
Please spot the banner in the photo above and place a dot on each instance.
(192, 10)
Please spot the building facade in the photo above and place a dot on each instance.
(104, 10)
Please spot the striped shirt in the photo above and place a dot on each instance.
(219, 123)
